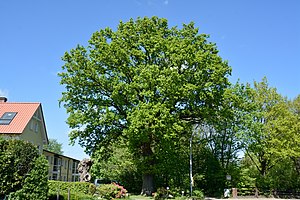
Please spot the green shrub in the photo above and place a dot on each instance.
(92, 189)
(165, 193)
(36, 182)
(111, 191)
(75, 187)
(16, 161)
(175, 191)
(73, 196)
(161, 193)
(198, 195)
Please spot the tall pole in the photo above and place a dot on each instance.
(191, 166)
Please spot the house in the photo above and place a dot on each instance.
(25, 121)
(62, 168)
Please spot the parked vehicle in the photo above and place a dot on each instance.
(98, 182)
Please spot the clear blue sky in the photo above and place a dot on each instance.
(258, 38)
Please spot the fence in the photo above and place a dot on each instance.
(257, 192)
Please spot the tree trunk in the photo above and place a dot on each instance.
(148, 185)
(148, 177)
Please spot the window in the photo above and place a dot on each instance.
(36, 127)
(74, 169)
(7, 118)
(54, 177)
(31, 125)
(75, 178)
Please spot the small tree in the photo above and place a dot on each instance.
(20, 161)
(117, 165)
(36, 182)
(54, 146)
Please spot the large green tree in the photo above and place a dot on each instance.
(216, 143)
(269, 136)
(145, 82)
(294, 131)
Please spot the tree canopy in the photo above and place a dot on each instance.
(144, 82)
(54, 146)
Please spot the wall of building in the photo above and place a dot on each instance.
(34, 131)
(61, 167)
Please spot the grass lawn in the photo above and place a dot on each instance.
(139, 197)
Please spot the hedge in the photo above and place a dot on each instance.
(64, 196)
(75, 187)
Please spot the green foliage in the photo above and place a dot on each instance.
(117, 164)
(111, 191)
(198, 195)
(283, 176)
(267, 127)
(36, 182)
(247, 174)
(92, 189)
(168, 193)
(161, 193)
(17, 161)
(73, 196)
(175, 191)
(271, 140)
(54, 146)
(145, 82)
(75, 187)
(134, 96)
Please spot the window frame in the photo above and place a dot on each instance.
(7, 118)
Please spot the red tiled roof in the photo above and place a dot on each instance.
(25, 112)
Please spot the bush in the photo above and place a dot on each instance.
(17, 161)
(175, 191)
(161, 193)
(111, 191)
(198, 195)
(36, 183)
(172, 192)
(73, 196)
(75, 187)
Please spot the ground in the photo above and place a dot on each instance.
(138, 197)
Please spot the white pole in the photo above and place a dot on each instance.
(191, 166)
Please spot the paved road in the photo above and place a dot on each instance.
(246, 198)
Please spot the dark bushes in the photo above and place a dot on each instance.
(24, 171)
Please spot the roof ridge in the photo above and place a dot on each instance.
(20, 102)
